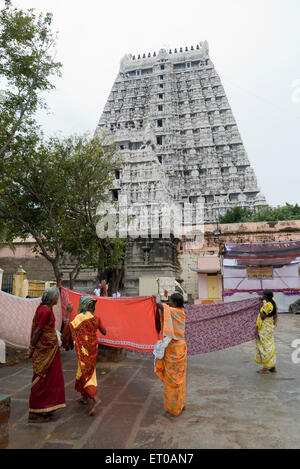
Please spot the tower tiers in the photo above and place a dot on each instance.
(179, 143)
(172, 105)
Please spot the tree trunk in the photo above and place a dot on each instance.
(100, 269)
(57, 272)
(71, 281)
(116, 276)
(74, 274)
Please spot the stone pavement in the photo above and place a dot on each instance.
(228, 404)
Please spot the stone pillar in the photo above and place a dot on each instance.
(1, 276)
(18, 282)
(25, 288)
(4, 417)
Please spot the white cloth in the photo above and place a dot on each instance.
(16, 315)
(58, 333)
(159, 348)
(97, 291)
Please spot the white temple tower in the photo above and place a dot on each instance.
(175, 132)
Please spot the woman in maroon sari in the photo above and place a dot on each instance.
(48, 389)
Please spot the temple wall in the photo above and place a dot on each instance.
(190, 280)
(37, 268)
(260, 232)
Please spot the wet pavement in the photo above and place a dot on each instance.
(228, 404)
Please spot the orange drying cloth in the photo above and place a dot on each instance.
(129, 321)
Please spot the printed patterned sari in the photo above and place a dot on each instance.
(84, 333)
(171, 369)
(47, 390)
(265, 353)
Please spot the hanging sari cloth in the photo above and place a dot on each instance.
(84, 333)
(171, 369)
(265, 353)
(47, 391)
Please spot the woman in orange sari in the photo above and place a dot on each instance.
(83, 329)
(171, 368)
(48, 389)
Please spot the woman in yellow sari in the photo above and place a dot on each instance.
(265, 353)
(171, 368)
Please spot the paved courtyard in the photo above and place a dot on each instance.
(228, 404)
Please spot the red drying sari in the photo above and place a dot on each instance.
(84, 333)
(48, 389)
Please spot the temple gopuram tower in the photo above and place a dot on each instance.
(173, 126)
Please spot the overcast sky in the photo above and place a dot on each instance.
(255, 47)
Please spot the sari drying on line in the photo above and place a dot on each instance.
(171, 369)
(129, 321)
(47, 391)
(265, 353)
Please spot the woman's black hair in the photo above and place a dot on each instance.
(269, 295)
(157, 320)
(177, 298)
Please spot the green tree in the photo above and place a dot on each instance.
(81, 241)
(48, 189)
(236, 215)
(266, 213)
(51, 191)
(27, 62)
(110, 264)
(285, 212)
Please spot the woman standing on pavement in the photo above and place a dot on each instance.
(171, 369)
(48, 389)
(265, 353)
(82, 331)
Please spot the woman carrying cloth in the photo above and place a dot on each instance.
(84, 329)
(265, 353)
(171, 368)
(48, 389)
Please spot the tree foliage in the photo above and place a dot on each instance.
(27, 62)
(50, 190)
(236, 215)
(266, 213)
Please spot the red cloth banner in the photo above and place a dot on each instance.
(129, 321)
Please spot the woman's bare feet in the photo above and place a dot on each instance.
(83, 400)
(37, 418)
(273, 370)
(263, 371)
(95, 403)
